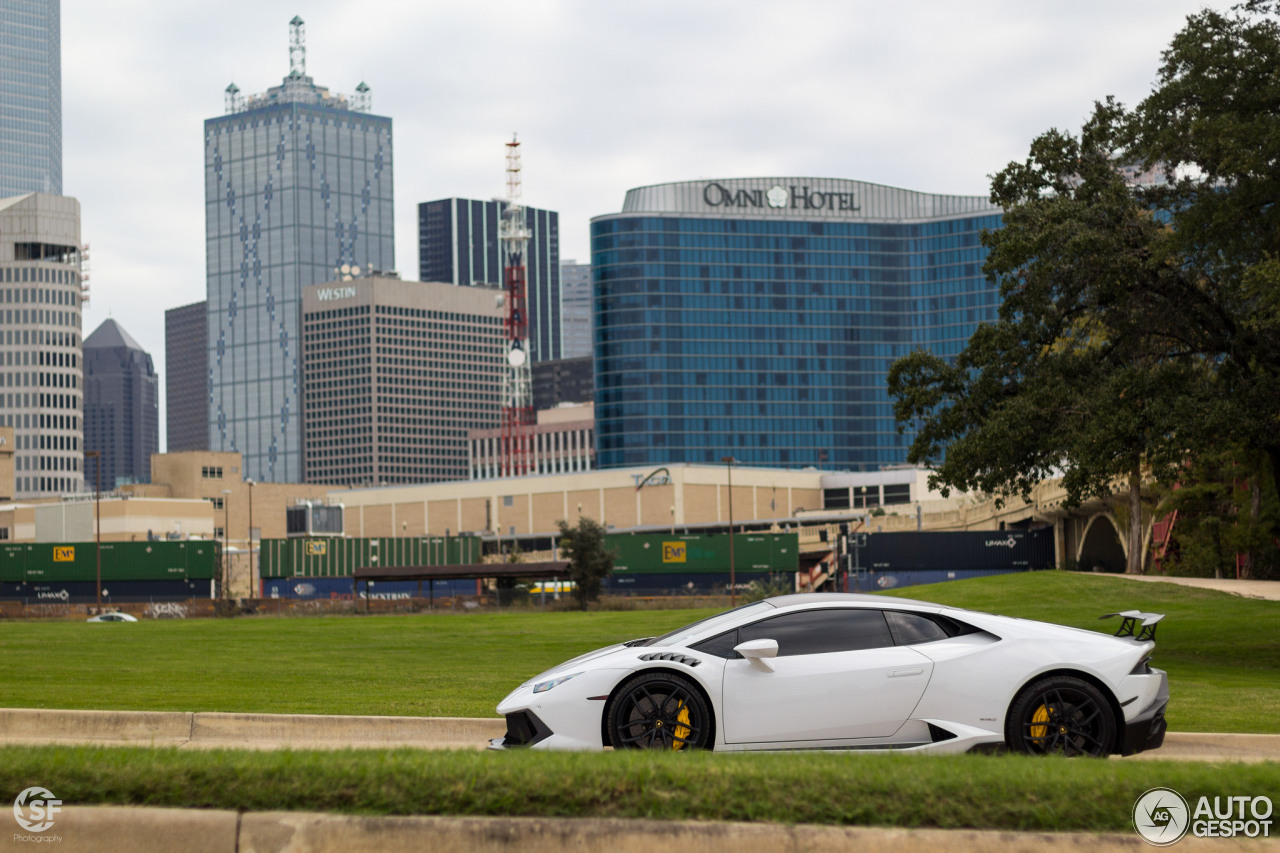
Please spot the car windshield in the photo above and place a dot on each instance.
(711, 624)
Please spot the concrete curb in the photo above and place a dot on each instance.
(113, 829)
(212, 730)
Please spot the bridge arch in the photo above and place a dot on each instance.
(1101, 547)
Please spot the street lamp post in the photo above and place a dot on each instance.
(733, 586)
(226, 541)
(97, 519)
(253, 587)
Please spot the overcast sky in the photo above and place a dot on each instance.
(932, 96)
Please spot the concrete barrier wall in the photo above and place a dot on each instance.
(106, 829)
(254, 731)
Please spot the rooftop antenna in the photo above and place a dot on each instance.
(363, 101)
(297, 47)
(517, 398)
(233, 99)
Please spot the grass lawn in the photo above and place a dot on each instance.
(988, 792)
(1222, 653)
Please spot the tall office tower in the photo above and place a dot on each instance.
(122, 405)
(30, 97)
(41, 388)
(458, 243)
(186, 387)
(298, 191)
(767, 331)
(396, 375)
(575, 309)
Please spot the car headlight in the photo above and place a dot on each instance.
(544, 686)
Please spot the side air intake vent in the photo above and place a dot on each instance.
(674, 657)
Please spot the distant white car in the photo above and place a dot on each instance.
(835, 671)
(112, 617)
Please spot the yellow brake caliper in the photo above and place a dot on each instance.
(1039, 732)
(682, 730)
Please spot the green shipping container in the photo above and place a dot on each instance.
(189, 559)
(323, 557)
(655, 553)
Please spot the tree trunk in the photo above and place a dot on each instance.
(1135, 521)
(1255, 510)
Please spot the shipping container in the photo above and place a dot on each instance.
(342, 588)
(189, 559)
(686, 583)
(339, 558)
(114, 592)
(656, 553)
(958, 551)
(873, 581)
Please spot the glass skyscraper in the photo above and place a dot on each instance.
(30, 97)
(121, 405)
(298, 191)
(458, 243)
(757, 318)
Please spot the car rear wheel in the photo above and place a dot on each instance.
(1061, 715)
(658, 711)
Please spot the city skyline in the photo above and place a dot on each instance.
(908, 98)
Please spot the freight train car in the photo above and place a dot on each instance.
(661, 564)
(130, 571)
(319, 567)
(342, 589)
(893, 560)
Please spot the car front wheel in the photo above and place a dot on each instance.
(658, 711)
(1061, 715)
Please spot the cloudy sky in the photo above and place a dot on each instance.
(934, 95)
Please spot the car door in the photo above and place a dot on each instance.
(837, 676)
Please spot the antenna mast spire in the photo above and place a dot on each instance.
(517, 395)
(297, 47)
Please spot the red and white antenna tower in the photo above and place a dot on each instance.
(517, 394)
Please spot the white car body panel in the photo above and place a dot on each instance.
(824, 696)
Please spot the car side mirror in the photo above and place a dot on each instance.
(758, 653)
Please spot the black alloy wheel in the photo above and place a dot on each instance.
(658, 711)
(1061, 715)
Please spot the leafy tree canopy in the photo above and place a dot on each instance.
(589, 561)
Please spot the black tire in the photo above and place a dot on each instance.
(1061, 715)
(658, 710)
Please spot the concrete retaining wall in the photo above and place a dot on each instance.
(248, 731)
(126, 830)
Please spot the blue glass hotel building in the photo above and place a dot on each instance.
(757, 318)
(298, 191)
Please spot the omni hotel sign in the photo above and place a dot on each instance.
(779, 198)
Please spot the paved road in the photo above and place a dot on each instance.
(1249, 589)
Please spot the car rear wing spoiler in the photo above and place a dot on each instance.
(1131, 620)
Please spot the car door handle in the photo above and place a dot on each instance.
(903, 673)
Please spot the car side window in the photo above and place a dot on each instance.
(814, 632)
(721, 646)
(912, 628)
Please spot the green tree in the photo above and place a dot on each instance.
(1212, 126)
(589, 561)
(1226, 511)
(1074, 380)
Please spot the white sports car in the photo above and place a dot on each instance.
(834, 671)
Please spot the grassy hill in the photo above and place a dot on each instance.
(1222, 653)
